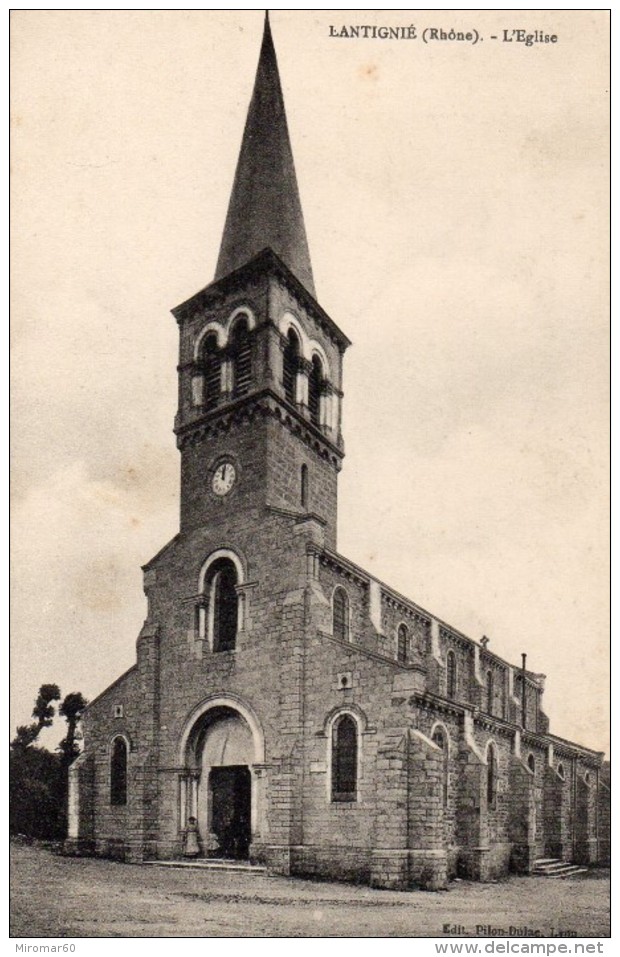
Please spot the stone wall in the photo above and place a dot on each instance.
(604, 819)
(420, 813)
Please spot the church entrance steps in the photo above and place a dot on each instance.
(553, 867)
(206, 864)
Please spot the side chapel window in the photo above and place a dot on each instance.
(491, 776)
(489, 692)
(340, 614)
(451, 674)
(402, 652)
(439, 738)
(344, 759)
(118, 772)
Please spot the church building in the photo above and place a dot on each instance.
(286, 708)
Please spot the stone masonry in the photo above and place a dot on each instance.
(305, 714)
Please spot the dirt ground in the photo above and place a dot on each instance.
(53, 896)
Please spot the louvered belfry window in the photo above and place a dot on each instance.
(344, 759)
(212, 374)
(315, 384)
(290, 366)
(242, 358)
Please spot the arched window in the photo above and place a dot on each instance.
(223, 604)
(491, 776)
(290, 366)
(439, 738)
(118, 772)
(402, 651)
(241, 346)
(522, 699)
(315, 386)
(451, 674)
(211, 369)
(344, 759)
(561, 771)
(489, 692)
(304, 486)
(531, 763)
(340, 614)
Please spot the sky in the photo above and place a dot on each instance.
(455, 198)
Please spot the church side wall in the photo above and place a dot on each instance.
(116, 827)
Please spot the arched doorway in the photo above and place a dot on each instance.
(223, 751)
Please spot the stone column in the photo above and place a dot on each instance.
(258, 852)
(326, 411)
(226, 378)
(198, 387)
(276, 344)
(301, 385)
(183, 815)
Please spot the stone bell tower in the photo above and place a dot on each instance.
(260, 363)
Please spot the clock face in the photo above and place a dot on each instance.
(224, 478)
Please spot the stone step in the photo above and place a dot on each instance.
(207, 864)
(556, 868)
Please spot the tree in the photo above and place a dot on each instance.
(25, 736)
(39, 778)
(71, 709)
(36, 792)
(43, 711)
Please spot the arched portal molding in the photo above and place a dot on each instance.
(232, 703)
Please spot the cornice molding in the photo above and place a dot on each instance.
(262, 266)
(263, 403)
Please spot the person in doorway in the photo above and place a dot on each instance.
(191, 844)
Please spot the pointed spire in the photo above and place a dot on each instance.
(265, 209)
